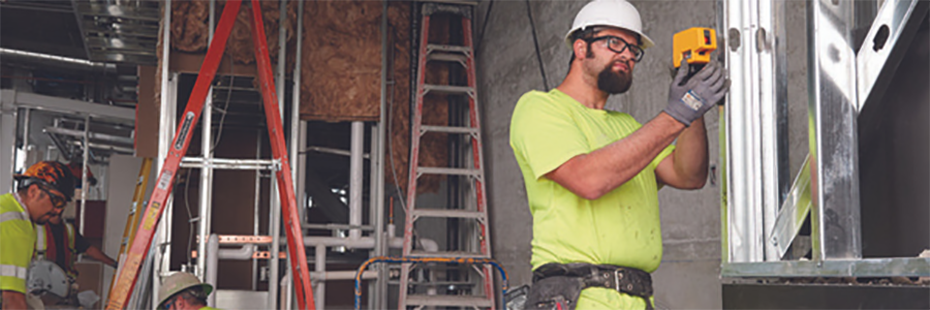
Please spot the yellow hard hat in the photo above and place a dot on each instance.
(177, 283)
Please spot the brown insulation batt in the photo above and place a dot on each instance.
(189, 31)
(341, 74)
(189, 34)
(341, 67)
(341, 78)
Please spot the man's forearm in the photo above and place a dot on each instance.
(95, 253)
(14, 300)
(593, 175)
(691, 154)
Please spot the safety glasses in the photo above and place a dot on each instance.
(58, 201)
(618, 45)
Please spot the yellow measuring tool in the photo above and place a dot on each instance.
(694, 44)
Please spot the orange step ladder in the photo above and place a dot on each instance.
(129, 270)
(428, 284)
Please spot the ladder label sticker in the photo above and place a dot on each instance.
(185, 128)
(164, 180)
(151, 216)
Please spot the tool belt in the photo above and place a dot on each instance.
(558, 286)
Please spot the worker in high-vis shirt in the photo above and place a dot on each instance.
(59, 242)
(592, 175)
(42, 192)
(183, 291)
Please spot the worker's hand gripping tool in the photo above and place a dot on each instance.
(702, 82)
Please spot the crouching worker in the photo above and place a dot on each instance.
(183, 291)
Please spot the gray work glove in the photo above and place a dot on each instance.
(690, 98)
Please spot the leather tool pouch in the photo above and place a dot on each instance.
(558, 286)
(555, 293)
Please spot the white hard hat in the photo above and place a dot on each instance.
(613, 13)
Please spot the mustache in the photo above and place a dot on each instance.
(626, 63)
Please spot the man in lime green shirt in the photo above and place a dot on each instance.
(592, 175)
(43, 191)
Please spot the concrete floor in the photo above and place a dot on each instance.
(689, 276)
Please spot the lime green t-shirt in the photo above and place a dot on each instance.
(17, 244)
(622, 227)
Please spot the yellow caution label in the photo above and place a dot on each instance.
(151, 216)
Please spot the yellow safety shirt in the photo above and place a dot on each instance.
(620, 228)
(17, 243)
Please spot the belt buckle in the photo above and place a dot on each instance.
(618, 275)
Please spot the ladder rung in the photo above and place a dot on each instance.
(448, 171)
(448, 89)
(449, 300)
(458, 2)
(444, 283)
(446, 7)
(449, 129)
(455, 254)
(448, 57)
(448, 213)
(440, 267)
(447, 48)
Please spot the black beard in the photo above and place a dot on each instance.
(613, 83)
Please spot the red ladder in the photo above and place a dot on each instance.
(140, 246)
(479, 293)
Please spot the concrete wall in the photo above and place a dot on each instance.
(507, 67)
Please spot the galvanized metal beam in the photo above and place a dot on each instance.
(105, 9)
(835, 222)
(871, 267)
(92, 135)
(69, 106)
(44, 6)
(885, 44)
(756, 127)
(793, 212)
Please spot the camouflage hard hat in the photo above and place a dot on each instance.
(179, 282)
(49, 173)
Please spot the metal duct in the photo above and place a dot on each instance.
(39, 59)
